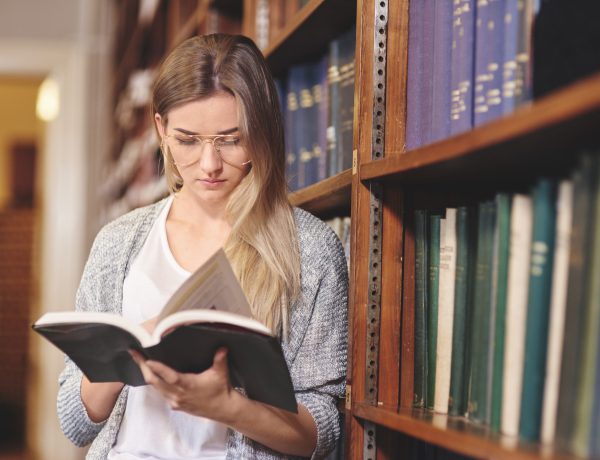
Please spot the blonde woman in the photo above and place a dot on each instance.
(217, 115)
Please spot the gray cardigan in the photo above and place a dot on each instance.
(315, 349)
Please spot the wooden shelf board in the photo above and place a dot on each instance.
(309, 31)
(455, 434)
(519, 144)
(326, 198)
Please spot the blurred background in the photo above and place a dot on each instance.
(77, 148)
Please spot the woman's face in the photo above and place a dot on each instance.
(203, 138)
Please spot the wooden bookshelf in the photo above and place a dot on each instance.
(308, 33)
(327, 198)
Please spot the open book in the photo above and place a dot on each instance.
(197, 320)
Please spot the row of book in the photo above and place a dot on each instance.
(317, 100)
(469, 62)
(271, 18)
(507, 311)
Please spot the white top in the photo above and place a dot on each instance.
(150, 429)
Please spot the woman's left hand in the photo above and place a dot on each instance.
(207, 394)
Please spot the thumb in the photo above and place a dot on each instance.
(220, 360)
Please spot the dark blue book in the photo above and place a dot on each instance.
(516, 87)
(538, 308)
(309, 113)
(321, 95)
(414, 83)
(346, 98)
(333, 128)
(442, 55)
(461, 71)
(426, 97)
(489, 56)
(291, 122)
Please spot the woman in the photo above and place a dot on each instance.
(218, 118)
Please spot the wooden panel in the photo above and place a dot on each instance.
(518, 145)
(363, 127)
(308, 33)
(327, 198)
(455, 434)
(396, 73)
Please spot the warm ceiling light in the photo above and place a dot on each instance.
(48, 100)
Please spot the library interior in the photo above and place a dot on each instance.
(451, 145)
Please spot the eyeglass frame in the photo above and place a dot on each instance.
(210, 138)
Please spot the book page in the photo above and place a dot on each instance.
(213, 286)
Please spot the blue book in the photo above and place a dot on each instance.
(538, 308)
(293, 125)
(426, 96)
(346, 99)
(415, 76)
(461, 67)
(309, 114)
(333, 83)
(442, 55)
(516, 86)
(321, 95)
(489, 56)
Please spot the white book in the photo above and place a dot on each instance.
(558, 304)
(521, 227)
(447, 276)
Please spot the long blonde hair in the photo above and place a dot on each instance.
(262, 246)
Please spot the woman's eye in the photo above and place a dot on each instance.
(186, 140)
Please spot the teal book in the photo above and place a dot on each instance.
(465, 249)
(433, 272)
(585, 182)
(420, 346)
(479, 393)
(538, 308)
(586, 412)
(501, 245)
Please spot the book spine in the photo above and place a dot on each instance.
(521, 224)
(480, 345)
(558, 305)
(538, 307)
(414, 76)
(304, 123)
(347, 51)
(421, 264)
(426, 94)
(463, 35)
(457, 401)
(441, 85)
(291, 122)
(503, 202)
(524, 76)
(322, 100)
(432, 305)
(584, 184)
(509, 65)
(489, 54)
(447, 278)
(584, 436)
(333, 128)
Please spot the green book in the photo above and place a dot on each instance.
(479, 391)
(586, 417)
(538, 308)
(585, 181)
(457, 401)
(501, 245)
(433, 272)
(420, 347)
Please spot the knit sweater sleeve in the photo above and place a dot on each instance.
(319, 366)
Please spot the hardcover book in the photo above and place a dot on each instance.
(207, 312)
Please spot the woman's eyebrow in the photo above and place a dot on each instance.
(192, 133)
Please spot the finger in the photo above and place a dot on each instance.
(165, 373)
(137, 356)
(220, 360)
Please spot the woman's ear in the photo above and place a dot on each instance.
(160, 128)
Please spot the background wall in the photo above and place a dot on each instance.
(67, 40)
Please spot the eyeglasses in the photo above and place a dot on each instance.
(187, 148)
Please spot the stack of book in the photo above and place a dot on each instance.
(507, 311)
